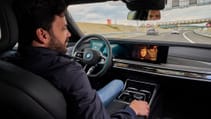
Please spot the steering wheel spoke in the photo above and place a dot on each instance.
(90, 70)
(78, 55)
(102, 60)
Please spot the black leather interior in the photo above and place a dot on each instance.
(24, 95)
(8, 25)
(29, 96)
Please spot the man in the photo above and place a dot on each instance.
(153, 51)
(153, 15)
(42, 46)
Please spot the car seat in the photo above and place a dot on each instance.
(23, 95)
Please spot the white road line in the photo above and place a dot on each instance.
(184, 35)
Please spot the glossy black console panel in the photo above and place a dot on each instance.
(134, 90)
(138, 90)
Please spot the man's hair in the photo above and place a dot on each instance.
(33, 14)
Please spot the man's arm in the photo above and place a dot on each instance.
(76, 85)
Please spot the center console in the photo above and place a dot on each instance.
(133, 89)
(137, 90)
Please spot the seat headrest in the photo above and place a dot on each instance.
(8, 26)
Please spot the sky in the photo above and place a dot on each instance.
(192, 12)
(117, 12)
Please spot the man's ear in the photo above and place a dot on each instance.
(42, 35)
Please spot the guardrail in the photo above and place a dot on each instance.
(203, 33)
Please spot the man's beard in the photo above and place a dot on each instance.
(57, 45)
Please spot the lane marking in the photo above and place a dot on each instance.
(184, 35)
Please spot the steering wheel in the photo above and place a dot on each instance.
(93, 58)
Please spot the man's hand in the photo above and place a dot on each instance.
(140, 107)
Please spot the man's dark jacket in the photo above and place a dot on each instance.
(69, 77)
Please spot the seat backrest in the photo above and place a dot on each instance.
(28, 96)
(8, 26)
(24, 95)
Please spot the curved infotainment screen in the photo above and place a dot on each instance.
(142, 52)
(138, 52)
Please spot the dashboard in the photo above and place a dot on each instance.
(183, 62)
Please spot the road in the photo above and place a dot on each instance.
(184, 36)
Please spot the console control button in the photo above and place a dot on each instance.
(138, 96)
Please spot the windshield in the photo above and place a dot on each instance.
(186, 21)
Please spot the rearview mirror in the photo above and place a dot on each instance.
(145, 4)
(144, 15)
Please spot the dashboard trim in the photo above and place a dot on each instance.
(162, 70)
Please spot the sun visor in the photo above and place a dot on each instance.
(145, 4)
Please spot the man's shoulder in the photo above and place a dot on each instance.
(65, 62)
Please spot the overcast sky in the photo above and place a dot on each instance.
(100, 12)
(193, 12)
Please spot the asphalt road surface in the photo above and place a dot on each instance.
(183, 36)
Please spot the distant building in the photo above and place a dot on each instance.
(185, 3)
(108, 21)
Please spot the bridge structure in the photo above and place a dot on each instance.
(185, 22)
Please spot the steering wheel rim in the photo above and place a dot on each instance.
(108, 59)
